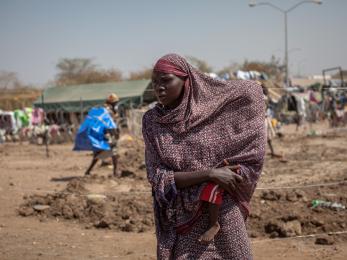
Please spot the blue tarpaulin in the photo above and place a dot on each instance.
(91, 134)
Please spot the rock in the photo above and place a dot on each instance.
(253, 235)
(67, 212)
(274, 234)
(305, 199)
(102, 224)
(292, 228)
(39, 200)
(281, 229)
(71, 199)
(300, 194)
(125, 216)
(142, 166)
(324, 240)
(26, 211)
(292, 197)
(43, 219)
(147, 222)
(88, 226)
(317, 222)
(128, 228)
(39, 207)
(317, 210)
(290, 217)
(255, 215)
(270, 195)
(127, 173)
(96, 198)
(272, 226)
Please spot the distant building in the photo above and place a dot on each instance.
(305, 82)
(319, 77)
(69, 104)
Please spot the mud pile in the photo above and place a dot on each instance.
(124, 212)
(274, 213)
(125, 203)
(131, 158)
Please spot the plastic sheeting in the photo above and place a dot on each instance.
(91, 134)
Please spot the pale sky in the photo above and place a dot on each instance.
(133, 34)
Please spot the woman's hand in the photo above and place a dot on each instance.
(226, 177)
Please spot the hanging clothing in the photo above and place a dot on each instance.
(37, 116)
(22, 118)
(8, 122)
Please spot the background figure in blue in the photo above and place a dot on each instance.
(99, 133)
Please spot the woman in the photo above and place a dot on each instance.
(199, 124)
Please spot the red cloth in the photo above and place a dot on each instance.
(212, 194)
(168, 67)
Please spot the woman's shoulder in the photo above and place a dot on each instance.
(247, 84)
(248, 88)
(148, 118)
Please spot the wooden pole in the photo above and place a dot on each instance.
(45, 138)
(81, 110)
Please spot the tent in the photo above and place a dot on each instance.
(79, 98)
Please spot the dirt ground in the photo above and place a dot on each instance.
(50, 211)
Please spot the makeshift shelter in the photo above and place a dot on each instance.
(8, 121)
(80, 98)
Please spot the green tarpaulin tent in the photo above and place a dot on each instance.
(82, 97)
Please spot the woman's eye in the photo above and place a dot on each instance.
(167, 80)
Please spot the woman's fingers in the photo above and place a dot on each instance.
(232, 185)
(228, 189)
(233, 167)
(226, 186)
(238, 178)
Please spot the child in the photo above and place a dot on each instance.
(212, 194)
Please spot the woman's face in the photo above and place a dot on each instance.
(168, 88)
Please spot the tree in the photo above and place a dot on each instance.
(273, 69)
(83, 71)
(200, 64)
(145, 73)
(9, 80)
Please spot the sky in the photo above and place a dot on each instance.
(132, 34)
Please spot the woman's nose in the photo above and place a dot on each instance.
(159, 87)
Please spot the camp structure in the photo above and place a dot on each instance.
(77, 98)
(63, 103)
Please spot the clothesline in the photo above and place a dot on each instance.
(149, 192)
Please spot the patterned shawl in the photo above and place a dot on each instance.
(215, 121)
